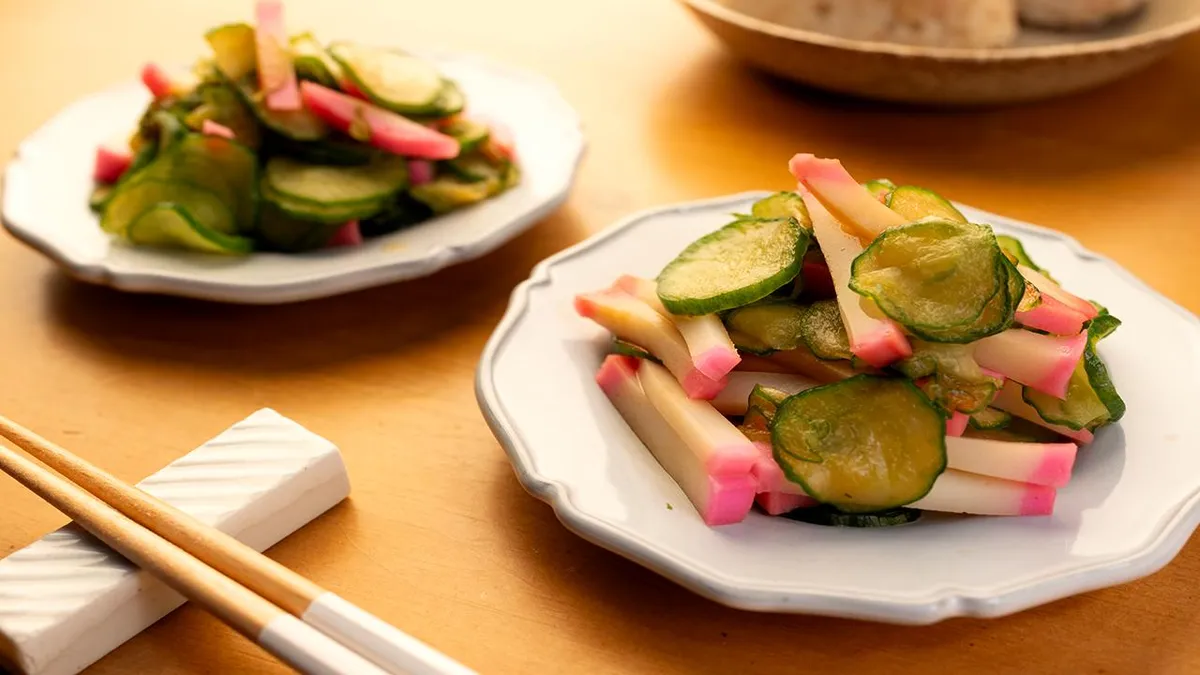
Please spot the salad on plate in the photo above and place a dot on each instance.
(857, 354)
(278, 142)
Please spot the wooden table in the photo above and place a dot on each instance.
(439, 537)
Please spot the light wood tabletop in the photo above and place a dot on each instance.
(439, 537)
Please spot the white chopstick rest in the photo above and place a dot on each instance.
(67, 600)
(378, 640)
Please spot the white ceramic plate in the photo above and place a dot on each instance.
(1130, 507)
(46, 190)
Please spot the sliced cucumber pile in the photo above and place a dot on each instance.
(864, 444)
(222, 166)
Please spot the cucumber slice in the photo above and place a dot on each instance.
(1092, 400)
(401, 212)
(997, 317)
(393, 80)
(450, 100)
(831, 517)
(367, 185)
(99, 198)
(312, 62)
(300, 125)
(916, 203)
(233, 49)
(469, 134)
(448, 193)
(783, 205)
(934, 276)
(761, 407)
(169, 225)
(1013, 247)
(221, 104)
(329, 214)
(131, 200)
(990, 419)
(335, 150)
(737, 265)
(226, 168)
(749, 345)
(626, 348)
(776, 325)
(824, 333)
(767, 398)
(864, 444)
(880, 188)
(279, 231)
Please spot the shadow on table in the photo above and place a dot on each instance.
(308, 334)
(619, 605)
(1140, 120)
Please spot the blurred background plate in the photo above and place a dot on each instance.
(1040, 64)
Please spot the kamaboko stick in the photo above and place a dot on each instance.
(844, 197)
(707, 340)
(631, 319)
(1044, 362)
(720, 499)
(878, 341)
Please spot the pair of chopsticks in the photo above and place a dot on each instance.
(305, 626)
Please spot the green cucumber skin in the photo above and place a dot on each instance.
(625, 348)
(831, 517)
(274, 177)
(783, 205)
(433, 107)
(778, 451)
(220, 243)
(961, 333)
(903, 198)
(1003, 305)
(740, 297)
(990, 419)
(1098, 380)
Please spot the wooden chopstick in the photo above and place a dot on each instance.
(375, 640)
(301, 646)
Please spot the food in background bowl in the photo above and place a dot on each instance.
(934, 23)
(286, 144)
(1076, 14)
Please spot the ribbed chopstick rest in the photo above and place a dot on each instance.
(67, 600)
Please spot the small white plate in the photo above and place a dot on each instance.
(46, 190)
(1129, 508)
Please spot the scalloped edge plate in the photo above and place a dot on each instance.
(46, 188)
(1132, 504)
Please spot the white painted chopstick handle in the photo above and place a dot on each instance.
(311, 652)
(388, 647)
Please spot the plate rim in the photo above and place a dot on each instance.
(311, 288)
(1163, 34)
(1174, 528)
